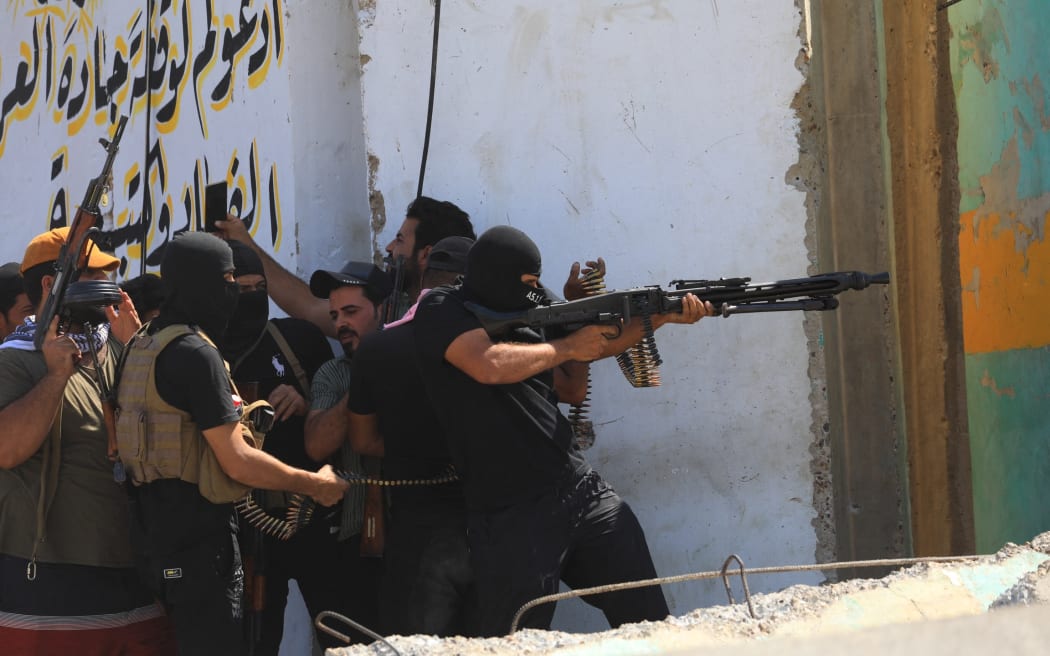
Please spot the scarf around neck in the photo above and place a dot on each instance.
(22, 337)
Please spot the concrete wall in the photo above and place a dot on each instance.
(658, 135)
(1000, 73)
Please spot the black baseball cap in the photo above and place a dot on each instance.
(377, 283)
(450, 254)
(10, 284)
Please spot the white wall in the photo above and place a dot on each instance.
(658, 135)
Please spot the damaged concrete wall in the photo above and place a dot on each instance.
(659, 135)
(1000, 73)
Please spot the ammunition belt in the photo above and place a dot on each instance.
(301, 508)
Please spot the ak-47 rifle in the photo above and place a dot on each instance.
(728, 296)
(88, 221)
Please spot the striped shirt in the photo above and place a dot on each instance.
(328, 388)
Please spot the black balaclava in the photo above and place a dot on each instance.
(495, 264)
(192, 271)
(253, 308)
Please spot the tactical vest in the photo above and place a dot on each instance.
(157, 440)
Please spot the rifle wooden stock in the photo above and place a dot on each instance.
(373, 525)
(109, 416)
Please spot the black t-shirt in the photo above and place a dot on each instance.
(268, 367)
(190, 375)
(385, 381)
(510, 441)
(170, 516)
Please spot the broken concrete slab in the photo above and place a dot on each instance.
(921, 594)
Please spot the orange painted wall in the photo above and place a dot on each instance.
(1006, 295)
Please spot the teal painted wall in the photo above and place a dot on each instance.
(1008, 394)
(1001, 75)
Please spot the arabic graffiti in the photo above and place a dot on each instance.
(179, 205)
(173, 67)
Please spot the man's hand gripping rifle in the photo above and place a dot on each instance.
(728, 296)
(71, 259)
(68, 298)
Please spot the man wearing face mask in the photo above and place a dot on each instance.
(184, 442)
(536, 512)
(276, 359)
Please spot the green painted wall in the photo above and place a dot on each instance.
(1001, 75)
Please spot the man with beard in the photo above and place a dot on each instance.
(427, 221)
(14, 304)
(67, 577)
(355, 294)
(183, 438)
(276, 359)
(427, 582)
(536, 512)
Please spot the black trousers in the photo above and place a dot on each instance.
(187, 554)
(201, 589)
(428, 587)
(331, 576)
(582, 533)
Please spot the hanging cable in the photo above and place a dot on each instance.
(430, 101)
(149, 120)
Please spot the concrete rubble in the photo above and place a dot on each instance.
(1015, 576)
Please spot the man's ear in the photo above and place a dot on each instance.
(45, 285)
(422, 256)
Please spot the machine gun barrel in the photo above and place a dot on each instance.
(772, 296)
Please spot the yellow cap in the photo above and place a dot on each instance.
(46, 248)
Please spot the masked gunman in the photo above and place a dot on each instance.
(189, 448)
(537, 513)
(275, 360)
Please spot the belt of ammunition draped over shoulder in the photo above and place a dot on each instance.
(158, 441)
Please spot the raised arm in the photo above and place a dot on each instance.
(289, 292)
